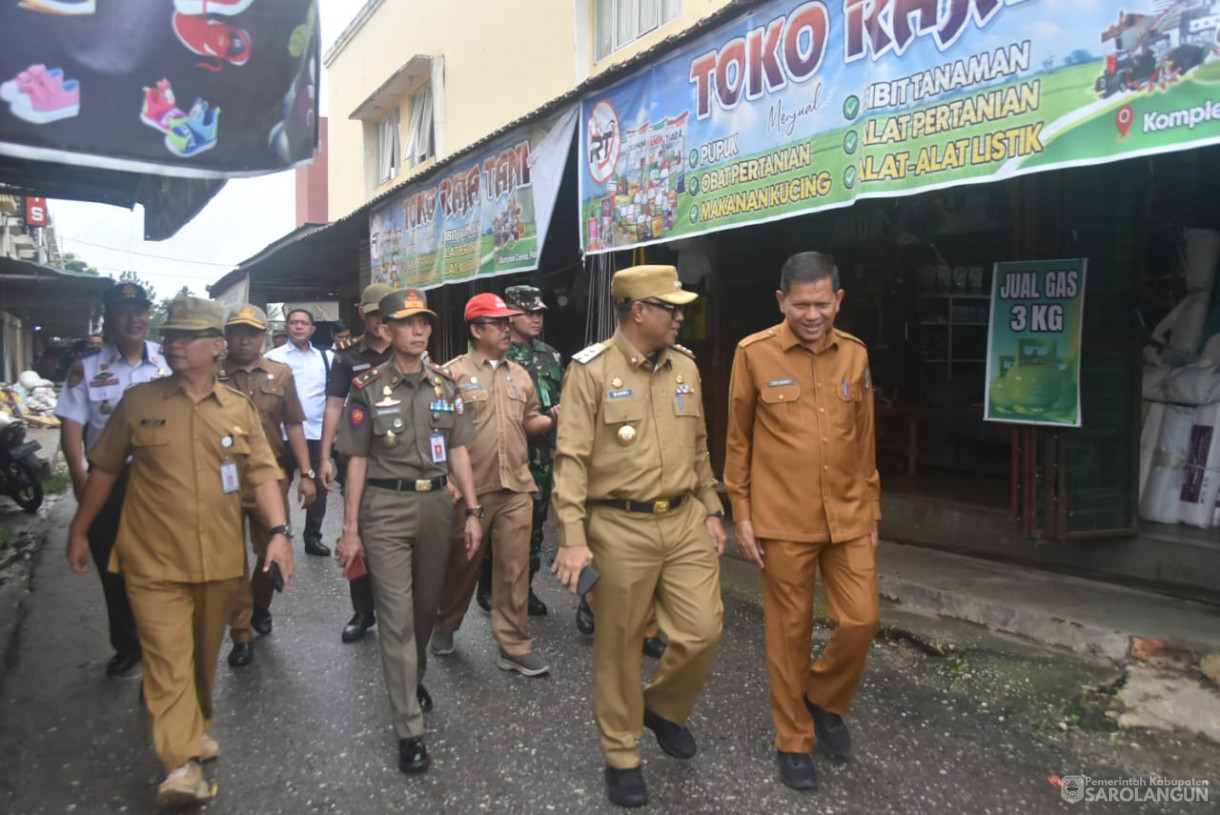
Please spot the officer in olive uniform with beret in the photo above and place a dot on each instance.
(352, 358)
(405, 429)
(635, 495)
(194, 445)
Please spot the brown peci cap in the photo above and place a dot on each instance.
(403, 303)
(250, 315)
(195, 314)
(643, 282)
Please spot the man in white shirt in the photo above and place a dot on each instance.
(310, 368)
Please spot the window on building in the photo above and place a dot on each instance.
(389, 148)
(618, 23)
(421, 138)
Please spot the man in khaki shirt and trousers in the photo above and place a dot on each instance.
(499, 396)
(801, 473)
(635, 495)
(180, 544)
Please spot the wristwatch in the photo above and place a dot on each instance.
(311, 475)
(717, 514)
(282, 529)
(477, 512)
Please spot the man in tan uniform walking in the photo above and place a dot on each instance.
(635, 495)
(505, 409)
(180, 544)
(405, 431)
(801, 472)
(272, 389)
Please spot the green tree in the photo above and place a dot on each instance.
(72, 263)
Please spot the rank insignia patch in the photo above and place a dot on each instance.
(356, 416)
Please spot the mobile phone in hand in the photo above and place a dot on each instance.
(276, 576)
(588, 579)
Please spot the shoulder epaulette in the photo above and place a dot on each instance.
(587, 355)
(432, 366)
(757, 337)
(851, 338)
(347, 343)
(360, 380)
(682, 349)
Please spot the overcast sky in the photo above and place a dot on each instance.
(247, 215)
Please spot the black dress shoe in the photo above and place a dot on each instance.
(483, 598)
(626, 788)
(260, 621)
(796, 770)
(413, 756)
(317, 548)
(673, 738)
(424, 698)
(122, 664)
(537, 607)
(584, 618)
(655, 647)
(358, 626)
(833, 735)
(242, 654)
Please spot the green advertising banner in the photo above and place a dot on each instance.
(1033, 344)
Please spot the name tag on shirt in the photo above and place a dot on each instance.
(779, 383)
(624, 393)
(437, 443)
(228, 477)
(364, 367)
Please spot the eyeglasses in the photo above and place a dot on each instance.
(498, 322)
(672, 308)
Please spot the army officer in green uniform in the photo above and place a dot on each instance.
(406, 431)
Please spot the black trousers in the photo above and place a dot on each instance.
(316, 513)
(105, 528)
(362, 587)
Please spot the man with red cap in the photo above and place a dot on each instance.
(504, 408)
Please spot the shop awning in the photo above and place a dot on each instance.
(61, 303)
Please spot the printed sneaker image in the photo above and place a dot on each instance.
(66, 7)
(159, 110)
(45, 97)
(196, 133)
(212, 38)
(25, 80)
(226, 7)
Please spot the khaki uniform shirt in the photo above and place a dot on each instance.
(499, 400)
(272, 389)
(391, 418)
(178, 523)
(610, 386)
(800, 461)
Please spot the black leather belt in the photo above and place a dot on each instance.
(408, 485)
(658, 507)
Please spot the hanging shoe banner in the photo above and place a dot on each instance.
(193, 88)
(797, 106)
(480, 215)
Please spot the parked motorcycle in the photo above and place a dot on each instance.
(19, 467)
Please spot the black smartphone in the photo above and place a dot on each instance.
(277, 577)
(588, 579)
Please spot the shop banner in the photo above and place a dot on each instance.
(800, 106)
(1033, 344)
(481, 216)
(194, 88)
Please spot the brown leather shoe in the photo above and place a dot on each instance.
(183, 787)
(211, 750)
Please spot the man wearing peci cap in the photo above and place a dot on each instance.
(93, 388)
(504, 409)
(635, 496)
(405, 433)
(353, 359)
(180, 544)
(272, 389)
(545, 367)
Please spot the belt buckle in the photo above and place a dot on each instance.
(660, 507)
(423, 485)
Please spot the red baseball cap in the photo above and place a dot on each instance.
(488, 305)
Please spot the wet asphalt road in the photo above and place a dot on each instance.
(306, 729)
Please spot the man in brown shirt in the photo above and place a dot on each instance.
(504, 407)
(801, 473)
(194, 444)
(271, 388)
(635, 495)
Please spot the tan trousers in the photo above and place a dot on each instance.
(254, 590)
(508, 519)
(181, 628)
(651, 629)
(849, 581)
(405, 539)
(666, 560)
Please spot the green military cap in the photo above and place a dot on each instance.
(403, 303)
(121, 293)
(524, 298)
(195, 314)
(643, 282)
(370, 298)
(248, 315)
